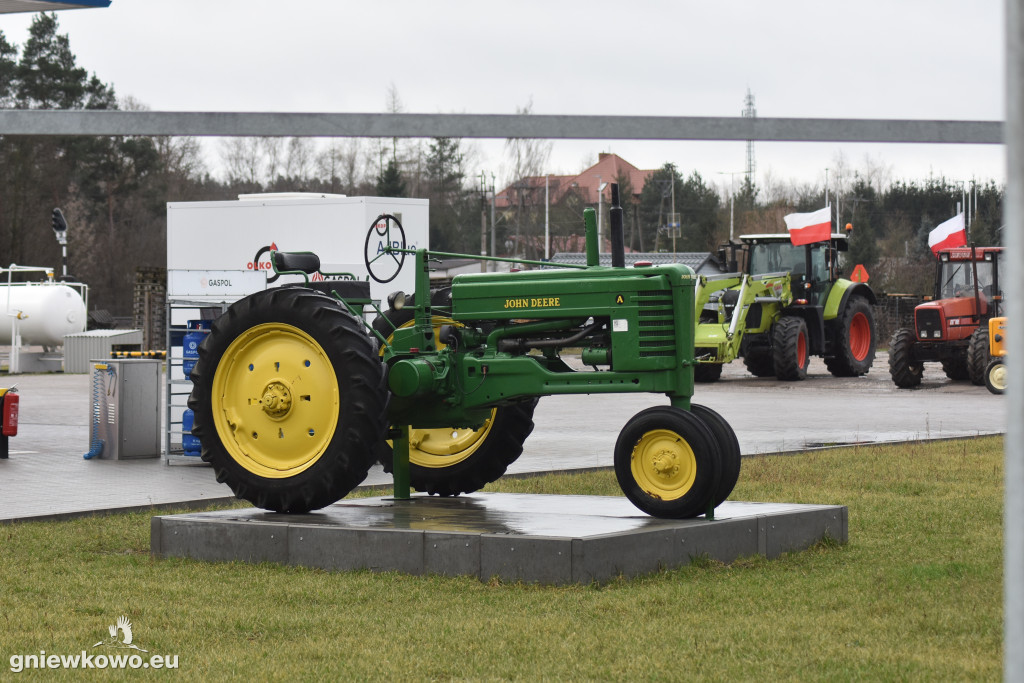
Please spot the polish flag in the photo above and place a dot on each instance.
(807, 228)
(949, 234)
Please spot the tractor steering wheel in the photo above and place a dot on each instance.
(384, 241)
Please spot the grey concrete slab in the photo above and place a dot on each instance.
(451, 553)
(47, 478)
(600, 558)
(515, 537)
(727, 540)
(375, 549)
(230, 540)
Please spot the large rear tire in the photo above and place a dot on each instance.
(855, 340)
(789, 348)
(978, 355)
(289, 400)
(668, 463)
(905, 372)
(450, 461)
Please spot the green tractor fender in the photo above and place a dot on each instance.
(839, 296)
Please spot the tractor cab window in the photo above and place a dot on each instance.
(776, 257)
(958, 279)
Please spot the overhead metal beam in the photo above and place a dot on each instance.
(498, 126)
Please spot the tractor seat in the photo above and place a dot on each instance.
(303, 261)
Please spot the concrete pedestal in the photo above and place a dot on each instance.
(528, 537)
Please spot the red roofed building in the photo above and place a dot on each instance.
(608, 169)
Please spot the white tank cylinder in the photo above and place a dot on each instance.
(48, 311)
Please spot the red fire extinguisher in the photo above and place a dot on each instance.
(8, 417)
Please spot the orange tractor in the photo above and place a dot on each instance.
(952, 328)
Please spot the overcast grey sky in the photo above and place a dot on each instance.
(916, 59)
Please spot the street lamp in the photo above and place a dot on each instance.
(732, 197)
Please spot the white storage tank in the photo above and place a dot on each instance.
(46, 311)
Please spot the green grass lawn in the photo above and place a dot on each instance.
(916, 594)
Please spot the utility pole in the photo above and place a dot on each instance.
(483, 221)
(494, 229)
(675, 219)
(547, 215)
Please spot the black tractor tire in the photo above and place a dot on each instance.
(905, 372)
(790, 348)
(995, 376)
(956, 368)
(854, 341)
(320, 400)
(480, 461)
(758, 360)
(668, 463)
(978, 355)
(706, 373)
(728, 446)
(486, 461)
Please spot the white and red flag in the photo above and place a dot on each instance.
(807, 228)
(948, 235)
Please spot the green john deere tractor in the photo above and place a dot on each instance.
(787, 305)
(295, 397)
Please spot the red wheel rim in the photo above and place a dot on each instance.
(860, 336)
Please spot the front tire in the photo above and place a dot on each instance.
(728, 446)
(668, 463)
(905, 372)
(978, 355)
(855, 340)
(289, 400)
(789, 348)
(706, 373)
(758, 360)
(956, 368)
(995, 376)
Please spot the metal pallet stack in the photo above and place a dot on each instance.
(149, 306)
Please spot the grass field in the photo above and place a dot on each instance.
(915, 595)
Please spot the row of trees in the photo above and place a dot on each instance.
(114, 190)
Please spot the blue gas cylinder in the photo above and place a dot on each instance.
(190, 444)
(197, 331)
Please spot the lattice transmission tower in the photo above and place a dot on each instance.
(749, 111)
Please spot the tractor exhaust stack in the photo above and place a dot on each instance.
(618, 242)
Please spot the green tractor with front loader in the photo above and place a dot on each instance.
(788, 303)
(296, 396)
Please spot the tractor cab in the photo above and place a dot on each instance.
(966, 293)
(957, 272)
(812, 267)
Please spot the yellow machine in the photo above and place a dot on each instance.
(995, 373)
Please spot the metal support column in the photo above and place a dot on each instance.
(1013, 532)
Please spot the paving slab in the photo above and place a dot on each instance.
(516, 537)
